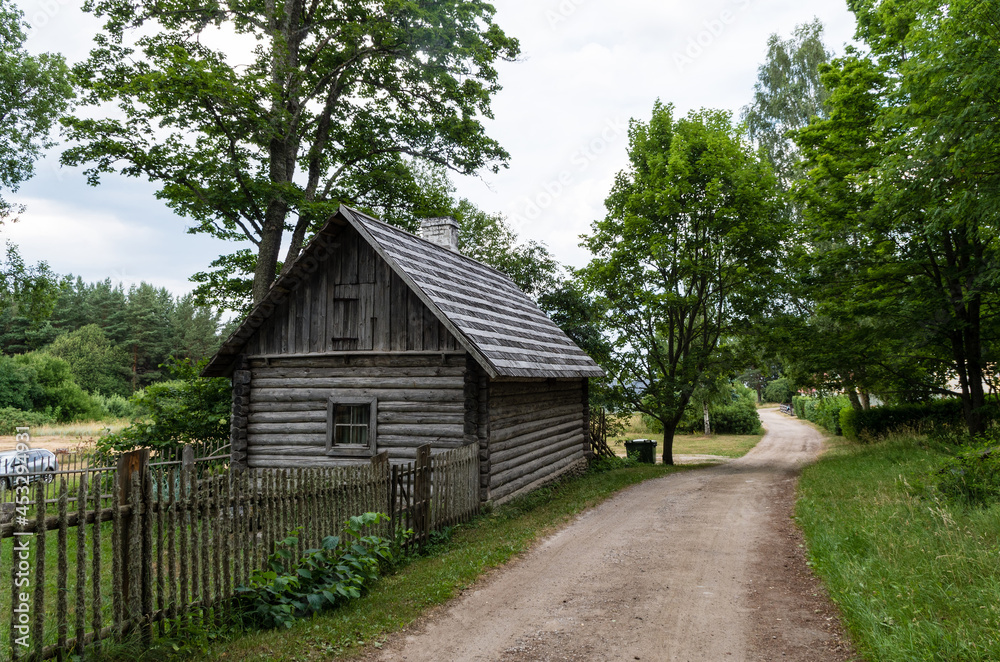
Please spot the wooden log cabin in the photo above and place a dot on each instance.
(379, 340)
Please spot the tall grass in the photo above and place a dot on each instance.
(917, 577)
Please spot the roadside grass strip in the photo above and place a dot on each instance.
(440, 573)
(916, 576)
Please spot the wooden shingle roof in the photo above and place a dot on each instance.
(495, 321)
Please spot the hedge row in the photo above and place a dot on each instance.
(824, 412)
(878, 422)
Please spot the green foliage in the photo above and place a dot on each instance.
(899, 203)
(34, 91)
(19, 387)
(361, 84)
(60, 396)
(12, 418)
(686, 257)
(735, 414)
(115, 406)
(824, 411)
(779, 390)
(97, 364)
(28, 295)
(187, 409)
(972, 475)
(323, 578)
(788, 93)
(934, 415)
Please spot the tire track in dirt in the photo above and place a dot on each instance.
(698, 566)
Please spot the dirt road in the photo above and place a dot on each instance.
(699, 566)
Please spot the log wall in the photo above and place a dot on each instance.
(352, 301)
(537, 431)
(421, 400)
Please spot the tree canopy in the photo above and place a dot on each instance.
(258, 120)
(34, 91)
(685, 258)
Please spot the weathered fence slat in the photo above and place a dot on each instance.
(184, 535)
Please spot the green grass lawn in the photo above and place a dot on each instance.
(916, 577)
(725, 445)
(397, 600)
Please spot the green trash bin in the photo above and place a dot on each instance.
(643, 450)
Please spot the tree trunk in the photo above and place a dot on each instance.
(708, 424)
(852, 395)
(267, 251)
(668, 441)
(866, 401)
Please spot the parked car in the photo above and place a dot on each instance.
(41, 464)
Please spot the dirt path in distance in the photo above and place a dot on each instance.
(702, 566)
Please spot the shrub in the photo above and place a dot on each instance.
(933, 416)
(849, 422)
(738, 418)
(972, 476)
(115, 406)
(323, 578)
(780, 390)
(824, 412)
(11, 419)
(19, 387)
(186, 409)
(61, 397)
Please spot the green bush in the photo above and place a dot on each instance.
(738, 418)
(780, 390)
(323, 578)
(936, 415)
(115, 406)
(11, 419)
(61, 397)
(972, 476)
(19, 387)
(186, 409)
(824, 412)
(849, 422)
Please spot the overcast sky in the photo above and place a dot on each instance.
(587, 67)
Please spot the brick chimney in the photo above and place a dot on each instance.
(441, 231)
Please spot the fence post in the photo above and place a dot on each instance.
(422, 493)
(134, 463)
(381, 486)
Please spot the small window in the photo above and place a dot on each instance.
(350, 426)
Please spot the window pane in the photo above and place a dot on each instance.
(350, 424)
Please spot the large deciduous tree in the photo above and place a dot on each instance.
(34, 91)
(258, 119)
(900, 201)
(788, 93)
(685, 258)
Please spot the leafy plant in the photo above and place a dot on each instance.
(11, 419)
(323, 578)
(186, 409)
(973, 474)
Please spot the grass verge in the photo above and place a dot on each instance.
(724, 445)
(916, 577)
(439, 574)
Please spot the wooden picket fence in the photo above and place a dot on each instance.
(146, 548)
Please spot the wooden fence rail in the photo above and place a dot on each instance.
(148, 548)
